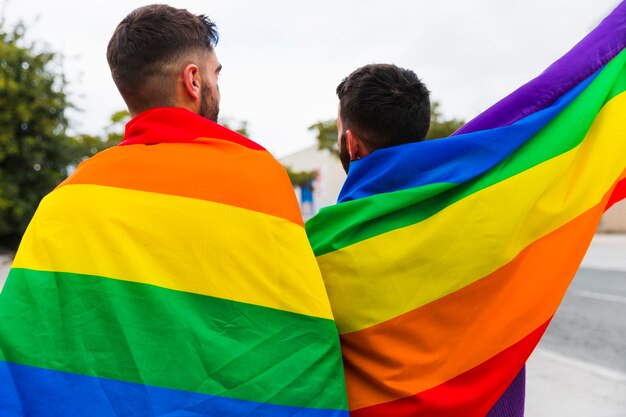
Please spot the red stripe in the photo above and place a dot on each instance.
(176, 125)
(619, 193)
(471, 394)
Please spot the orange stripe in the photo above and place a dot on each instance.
(471, 394)
(441, 340)
(216, 170)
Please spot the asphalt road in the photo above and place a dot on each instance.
(590, 324)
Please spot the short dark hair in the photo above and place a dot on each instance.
(146, 44)
(384, 105)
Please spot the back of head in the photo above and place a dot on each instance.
(384, 105)
(150, 46)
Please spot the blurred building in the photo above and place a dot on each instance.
(327, 184)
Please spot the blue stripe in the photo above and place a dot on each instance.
(34, 392)
(455, 159)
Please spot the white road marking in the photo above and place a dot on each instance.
(599, 296)
(592, 368)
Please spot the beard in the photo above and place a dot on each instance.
(209, 106)
(344, 156)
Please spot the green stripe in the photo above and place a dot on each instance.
(144, 334)
(347, 223)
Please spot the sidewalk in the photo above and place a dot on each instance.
(560, 386)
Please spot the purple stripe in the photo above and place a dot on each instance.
(511, 403)
(588, 56)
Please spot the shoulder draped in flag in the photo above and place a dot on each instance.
(445, 260)
(169, 276)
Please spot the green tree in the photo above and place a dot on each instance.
(440, 127)
(302, 179)
(326, 135)
(239, 126)
(88, 145)
(35, 148)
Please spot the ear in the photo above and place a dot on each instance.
(191, 80)
(353, 143)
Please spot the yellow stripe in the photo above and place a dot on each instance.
(178, 243)
(380, 278)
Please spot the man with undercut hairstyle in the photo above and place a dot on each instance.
(170, 275)
(160, 57)
(380, 106)
(384, 112)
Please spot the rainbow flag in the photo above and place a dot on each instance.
(169, 276)
(445, 260)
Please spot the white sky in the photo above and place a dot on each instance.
(283, 58)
